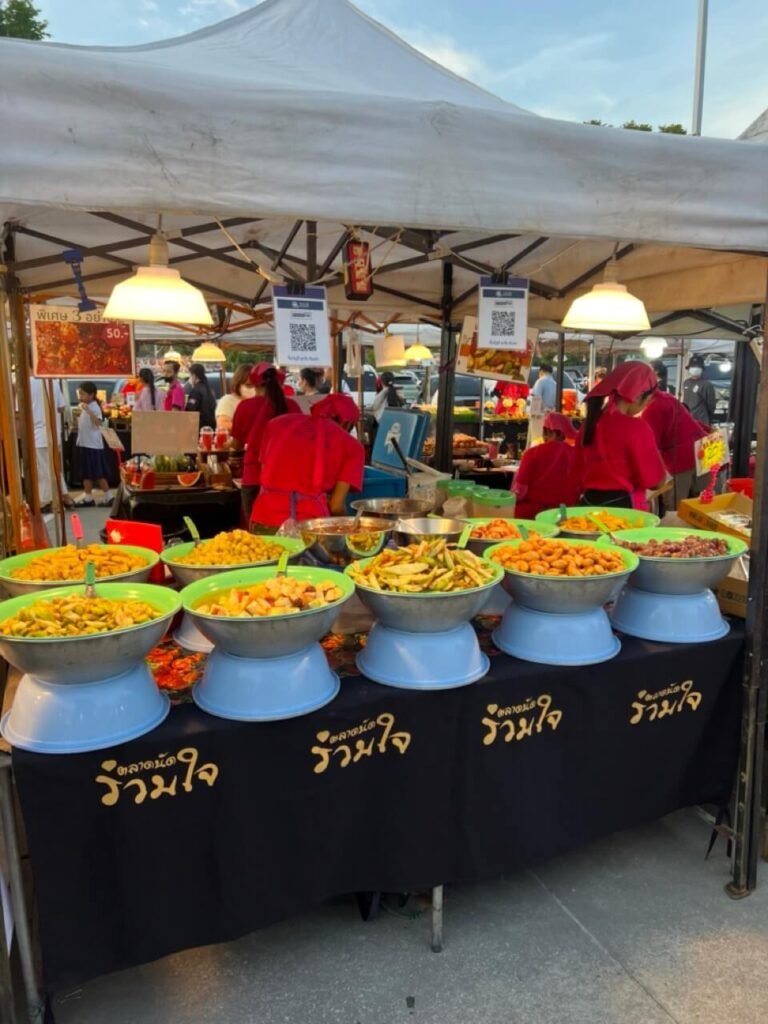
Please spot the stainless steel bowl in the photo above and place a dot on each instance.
(425, 613)
(680, 575)
(564, 595)
(89, 659)
(392, 508)
(413, 531)
(268, 637)
(344, 539)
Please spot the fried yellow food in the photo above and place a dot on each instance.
(541, 556)
(67, 564)
(282, 595)
(76, 615)
(587, 524)
(497, 529)
(428, 567)
(235, 547)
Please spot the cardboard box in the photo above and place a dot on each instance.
(705, 517)
(732, 592)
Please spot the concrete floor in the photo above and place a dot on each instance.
(635, 929)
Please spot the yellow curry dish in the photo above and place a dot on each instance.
(282, 595)
(76, 615)
(67, 564)
(234, 547)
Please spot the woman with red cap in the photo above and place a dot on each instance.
(617, 460)
(250, 420)
(544, 478)
(676, 432)
(309, 463)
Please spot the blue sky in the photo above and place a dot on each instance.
(575, 59)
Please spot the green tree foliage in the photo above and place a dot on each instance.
(666, 129)
(672, 129)
(637, 126)
(22, 20)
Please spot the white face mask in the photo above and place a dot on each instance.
(246, 391)
(695, 372)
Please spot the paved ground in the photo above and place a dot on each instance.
(635, 929)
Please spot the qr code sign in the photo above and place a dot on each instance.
(502, 324)
(303, 337)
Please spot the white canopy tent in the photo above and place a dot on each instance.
(299, 119)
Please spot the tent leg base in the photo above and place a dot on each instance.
(735, 892)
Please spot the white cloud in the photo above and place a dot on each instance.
(150, 6)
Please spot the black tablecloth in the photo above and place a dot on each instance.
(212, 511)
(266, 820)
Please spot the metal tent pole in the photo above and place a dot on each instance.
(560, 371)
(746, 380)
(698, 75)
(748, 821)
(444, 426)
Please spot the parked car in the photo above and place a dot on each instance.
(371, 385)
(468, 391)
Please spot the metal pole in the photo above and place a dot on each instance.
(338, 362)
(560, 371)
(744, 386)
(748, 823)
(8, 430)
(21, 921)
(698, 75)
(592, 364)
(444, 426)
(437, 919)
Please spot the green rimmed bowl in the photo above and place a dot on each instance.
(186, 574)
(564, 595)
(269, 636)
(634, 517)
(430, 612)
(17, 588)
(85, 659)
(663, 575)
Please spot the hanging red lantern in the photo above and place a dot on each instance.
(358, 282)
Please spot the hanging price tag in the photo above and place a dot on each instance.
(712, 451)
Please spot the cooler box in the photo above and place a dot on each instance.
(386, 477)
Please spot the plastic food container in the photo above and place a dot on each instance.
(493, 503)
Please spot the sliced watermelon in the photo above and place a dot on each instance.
(188, 479)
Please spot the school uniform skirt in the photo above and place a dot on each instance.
(93, 462)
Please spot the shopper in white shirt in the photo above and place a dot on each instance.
(90, 443)
(43, 437)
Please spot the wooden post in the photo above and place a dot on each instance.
(9, 437)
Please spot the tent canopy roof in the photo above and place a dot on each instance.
(299, 119)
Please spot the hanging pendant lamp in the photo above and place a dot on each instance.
(417, 353)
(608, 307)
(653, 347)
(208, 352)
(158, 293)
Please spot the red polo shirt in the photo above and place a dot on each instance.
(675, 430)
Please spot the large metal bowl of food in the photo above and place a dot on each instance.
(225, 552)
(400, 586)
(392, 508)
(587, 576)
(32, 636)
(487, 532)
(579, 521)
(679, 561)
(340, 540)
(412, 531)
(254, 613)
(58, 567)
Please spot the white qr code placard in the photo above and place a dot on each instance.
(502, 316)
(301, 326)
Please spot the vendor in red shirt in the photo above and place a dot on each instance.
(544, 479)
(676, 433)
(309, 463)
(249, 423)
(616, 459)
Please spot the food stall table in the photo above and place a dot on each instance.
(206, 829)
(212, 510)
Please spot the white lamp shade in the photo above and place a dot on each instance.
(653, 347)
(208, 352)
(390, 350)
(607, 307)
(417, 353)
(159, 295)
